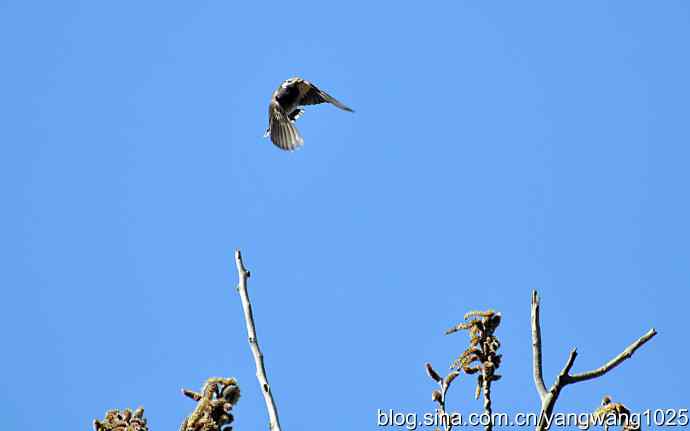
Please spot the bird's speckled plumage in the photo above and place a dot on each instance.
(285, 108)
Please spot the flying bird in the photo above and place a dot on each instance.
(286, 107)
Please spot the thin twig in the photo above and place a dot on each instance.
(448, 425)
(549, 397)
(274, 423)
(439, 395)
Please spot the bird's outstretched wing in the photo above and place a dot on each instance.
(284, 134)
(312, 95)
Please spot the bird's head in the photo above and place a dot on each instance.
(291, 81)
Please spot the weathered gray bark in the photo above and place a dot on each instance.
(274, 423)
(549, 397)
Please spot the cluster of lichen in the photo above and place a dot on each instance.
(481, 356)
(214, 403)
(122, 420)
(616, 413)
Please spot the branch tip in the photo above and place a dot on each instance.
(274, 423)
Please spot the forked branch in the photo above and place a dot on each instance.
(564, 378)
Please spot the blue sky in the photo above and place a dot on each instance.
(496, 148)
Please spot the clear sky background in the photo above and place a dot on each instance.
(496, 148)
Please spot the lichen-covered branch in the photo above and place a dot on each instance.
(482, 354)
(214, 403)
(122, 420)
(480, 358)
(274, 423)
(564, 378)
(612, 414)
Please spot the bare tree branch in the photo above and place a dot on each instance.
(536, 347)
(613, 363)
(274, 423)
(549, 398)
(568, 364)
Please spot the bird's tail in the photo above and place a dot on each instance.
(284, 134)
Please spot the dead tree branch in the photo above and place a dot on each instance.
(613, 363)
(564, 378)
(274, 423)
(536, 347)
